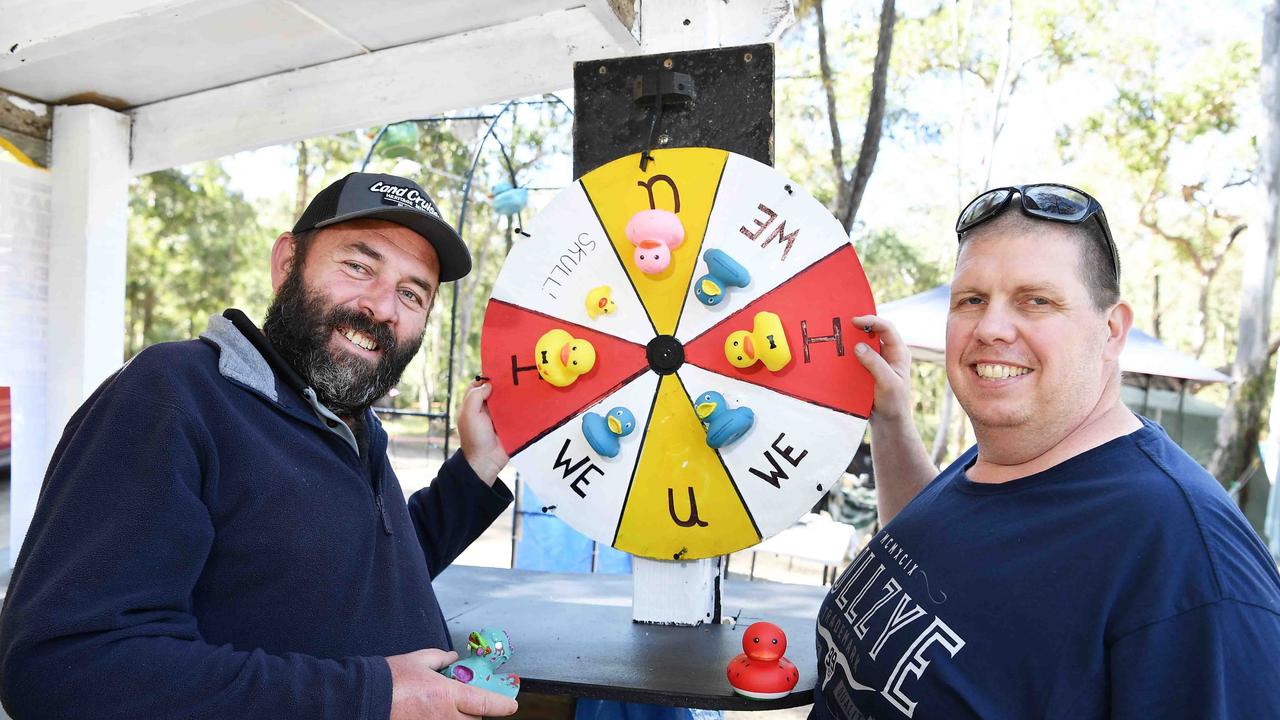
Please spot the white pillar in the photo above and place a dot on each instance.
(85, 330)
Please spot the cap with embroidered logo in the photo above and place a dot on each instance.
(396, 199)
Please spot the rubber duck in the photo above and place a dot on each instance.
(509, 199)
(723, 272)
(489, 650)
(724, 425)
(561, 357)
(603, 432)
(760, 671)
(599, 302)
(766, 342)
(655, 233)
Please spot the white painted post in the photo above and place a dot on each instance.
(672, 592)
(85, 330)
(676, 592)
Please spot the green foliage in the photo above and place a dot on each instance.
(1175, 132)
(195, 248)
(896, 269)
(1156, 114)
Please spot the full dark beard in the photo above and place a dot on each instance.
(300, 325)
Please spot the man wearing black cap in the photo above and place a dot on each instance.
(220, 533)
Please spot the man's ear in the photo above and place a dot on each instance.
(281, 260)
(1119, 320)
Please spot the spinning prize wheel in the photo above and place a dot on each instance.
(672, 354)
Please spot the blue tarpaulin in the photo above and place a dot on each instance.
(544, 542)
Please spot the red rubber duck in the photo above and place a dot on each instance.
(761, 672)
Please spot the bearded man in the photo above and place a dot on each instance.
(220, 533)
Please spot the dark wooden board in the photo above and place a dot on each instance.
(732, 110)
(573, 635)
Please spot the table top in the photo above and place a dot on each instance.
(819, 539)
(573, 635)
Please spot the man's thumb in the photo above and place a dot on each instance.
(436, 659)
(875, 364)
(482, 703)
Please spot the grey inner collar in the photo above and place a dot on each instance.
(239, 360)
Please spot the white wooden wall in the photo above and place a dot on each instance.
(25, 227)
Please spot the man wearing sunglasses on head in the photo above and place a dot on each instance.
(1075, 563)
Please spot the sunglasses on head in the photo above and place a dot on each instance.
(1046, 201)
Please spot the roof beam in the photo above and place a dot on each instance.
(618, 17)
(515, 59)
(38, 29)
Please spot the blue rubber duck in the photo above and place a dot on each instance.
(489, 650)
(508, 199)
(724, 425)
(603, 432)
(723, 272)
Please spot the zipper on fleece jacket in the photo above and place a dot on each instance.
(382, 512)
(329, 421)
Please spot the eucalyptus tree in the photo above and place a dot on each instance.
(194, 247)
(1241, 423)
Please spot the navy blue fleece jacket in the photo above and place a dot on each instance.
(208, 545)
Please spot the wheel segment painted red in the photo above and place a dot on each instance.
(824, 369)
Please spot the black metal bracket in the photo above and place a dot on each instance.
(658, 90)
(662, 87)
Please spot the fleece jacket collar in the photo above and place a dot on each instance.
(247, 357)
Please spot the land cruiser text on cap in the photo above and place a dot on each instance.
(397, 199)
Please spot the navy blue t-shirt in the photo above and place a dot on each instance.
(1121, 583)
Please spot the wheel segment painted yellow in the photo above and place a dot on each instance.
(682, 502)
(620, 189)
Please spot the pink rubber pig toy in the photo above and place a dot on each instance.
(655, 233)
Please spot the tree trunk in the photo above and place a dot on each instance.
(939, 450)
(1155, 307)
(1240, 424)
(467, 304)
(875, 116)
(300, 201)
(148, 314)
(829, 87)
(1002, 81)
(961, 102)
(430, 358)
(1202, 317)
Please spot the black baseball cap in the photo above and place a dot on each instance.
(393, 198)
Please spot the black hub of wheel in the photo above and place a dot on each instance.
(666, 354)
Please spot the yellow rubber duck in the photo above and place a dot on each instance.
(766, 342)
(599, 303)
(561, 357)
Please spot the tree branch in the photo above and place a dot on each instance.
(828, 86)
(875, 116)
(1002, 81)
(1148, 220)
